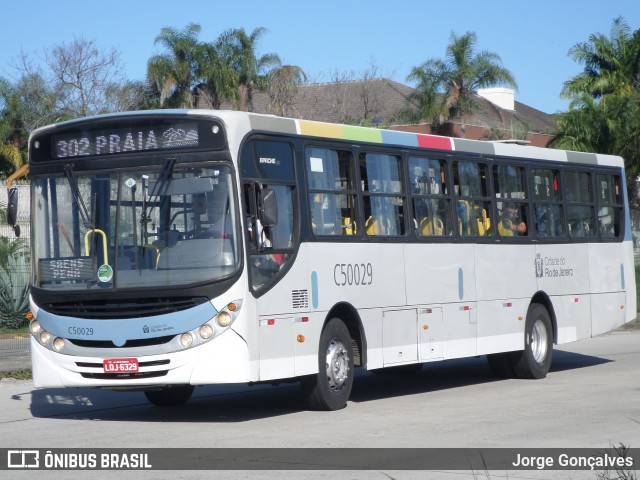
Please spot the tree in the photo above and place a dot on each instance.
(133, 95)
(239, 49)
(283, 88)
(217, 78)
(457, 78)
(604, 113)
(611, 64)
(81, 74)
(174, 72)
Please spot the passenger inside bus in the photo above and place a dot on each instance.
(512, 222)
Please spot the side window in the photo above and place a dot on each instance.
(511, 200)
(609, 198)
(472, 204)
(269, 209)
(383, 196)
(332, 193)
(428, 182)
(547, 203)
(270, 240)
(579, 204)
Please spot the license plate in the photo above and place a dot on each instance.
(120, 365)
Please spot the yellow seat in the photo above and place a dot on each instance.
(506, 228)
(373, 226)
(430, 227)
(348, 227)
(484, 224)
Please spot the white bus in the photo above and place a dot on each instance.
(173, 249)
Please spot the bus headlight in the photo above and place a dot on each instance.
(58, 344)
(224, 319)
(206, 331)
(35, 327)
(45, 337)
(186, 339)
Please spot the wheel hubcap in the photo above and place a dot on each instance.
(539, 341)
(337, 365)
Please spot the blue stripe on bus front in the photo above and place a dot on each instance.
(121, 330)
(460, 284)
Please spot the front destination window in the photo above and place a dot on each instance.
(143, 227)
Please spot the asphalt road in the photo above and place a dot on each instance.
(590, 399)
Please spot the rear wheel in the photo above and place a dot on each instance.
(170, 396)
(331, 387)
(535, 360)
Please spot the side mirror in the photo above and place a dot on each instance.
(269, 210)
(12, 206)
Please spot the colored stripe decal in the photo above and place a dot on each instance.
(399, 138)
(362, 134)
(317, 129)
(433, 141)
(273, 124)
(373, 135)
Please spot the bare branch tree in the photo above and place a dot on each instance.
(82, 74)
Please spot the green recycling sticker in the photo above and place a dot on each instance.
(105, 273)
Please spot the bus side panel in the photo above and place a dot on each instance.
(501, 325)
(443, 276)
(563, 269)
(365, 276)
(562, 272)
(506, 282)
(609, 277)
(607, 312)
(573, 314)
(505, 272)
(440, 273)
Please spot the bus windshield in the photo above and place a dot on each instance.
(144, 227)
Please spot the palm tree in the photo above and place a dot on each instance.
(240, 51)
(604, 113)
(12, 131)
(458, 77)
(283, 87)
(218, 80)
(611, 64)
(430, 106)
(174, 72)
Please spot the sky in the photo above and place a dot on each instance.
(344, 37)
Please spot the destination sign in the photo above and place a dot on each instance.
(138, 138)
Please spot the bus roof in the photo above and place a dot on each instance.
(275, 124)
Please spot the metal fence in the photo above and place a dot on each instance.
(14, 335)
(14, 327)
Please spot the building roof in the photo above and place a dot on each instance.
(377, 101)
(372, 101)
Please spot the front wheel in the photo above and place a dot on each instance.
(170, 396)
(535, 360)
(331, 387)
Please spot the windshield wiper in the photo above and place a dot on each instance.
(87, 219)
(160, 188)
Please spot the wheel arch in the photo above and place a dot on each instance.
(349, 315)
(543, 299)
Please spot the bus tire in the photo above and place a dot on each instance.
(535, 360)
(331, 387)
(170, 396)
(501, 364)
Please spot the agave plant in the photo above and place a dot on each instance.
(14, 283)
